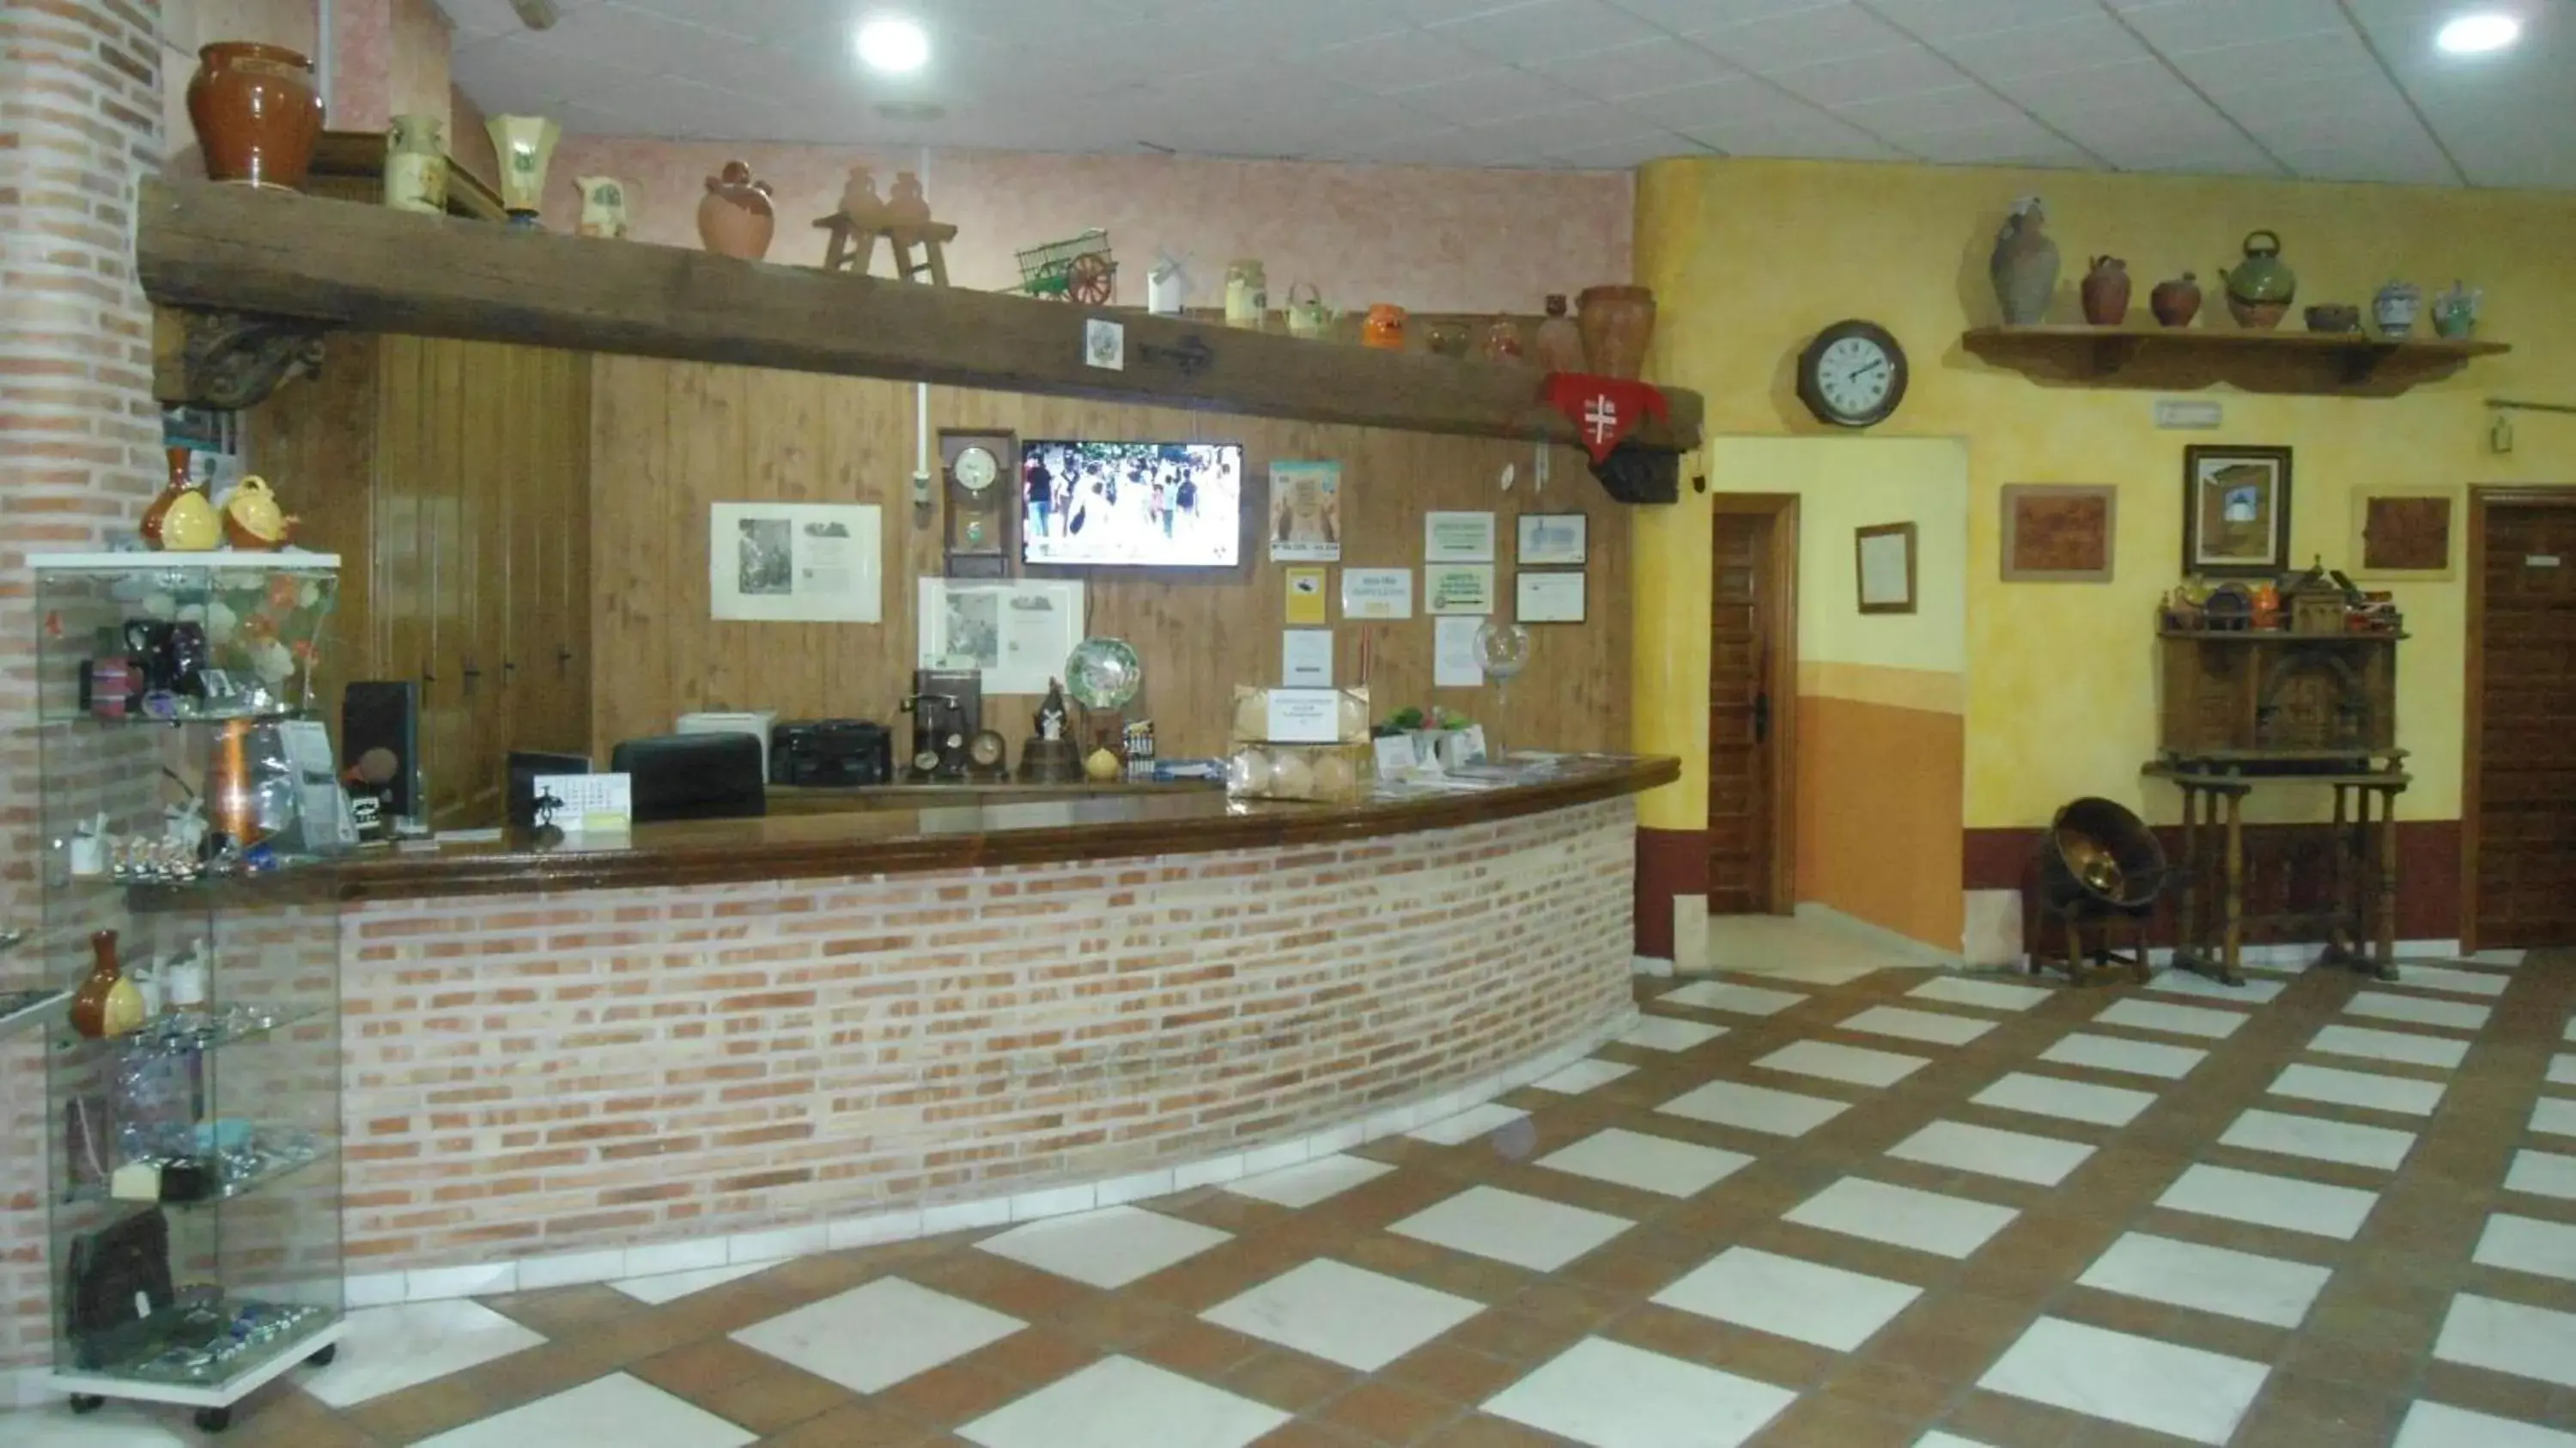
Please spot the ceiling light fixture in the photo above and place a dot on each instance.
(893, 45)
(2478, 34)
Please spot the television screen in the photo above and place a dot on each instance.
(1143, 504)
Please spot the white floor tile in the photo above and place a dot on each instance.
(1790, 1297)
(2388, 1005)
(2440, 1052)
(1469, 1124)
(2257, 990)
(388, 1349)
(1119, 1402)
(1726, 995)
(618, 1408)
(1901, 1216)
(1342, 1314)
(1754, 1108)
(2437, 1425)
(2073, 1100)
(2400, 1094)
(2269, 1201)
(2562, 1070)
(672, 1286)
(2210, 1279)
(1993, 995)
(2175, 1020)
(1648, 1163)
(2542, 1173)
(2569, 1034)
(2043, 1160)
(1912, 1025)
(2320, 1140)
(1947, 1440)
(2119, 1053)
(2508, 1337)
(1609, 1395)
(2525, 1244)
(1582, 1076)
(1309, 1182)
(1671, 1033)
(2555, 1115)
(870, 1338)
(1107, 1248)
(2458, 982)
(1843, 1063)
(2144, 1382)
(1509, 1227)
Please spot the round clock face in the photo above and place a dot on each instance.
(1852, 375)
(986, 749)
(976, 469)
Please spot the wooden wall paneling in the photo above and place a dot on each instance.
(303, 441)
(563, 654)
(404, 563)
(630, 657)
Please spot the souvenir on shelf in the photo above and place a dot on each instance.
(2177, 301)
(256, 112)
(2394, 308)
(1617, 324)
(1247, 294)
(2455, 311)
(1384, 329)
(525, 144)
(2105, 292)
(605, 206)
(416, 164)
(2261, 288)
(1308, 317)
(735, 217)
(252, 519)
(2023, 264)
(1558, 347)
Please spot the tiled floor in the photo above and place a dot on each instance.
(1900, 1211)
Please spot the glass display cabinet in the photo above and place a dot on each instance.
(191, 813)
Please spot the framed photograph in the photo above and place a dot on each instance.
(2402, 534)
(1548, 597)
(1457, 537)
(1552, 540)
(1884, 558)
(2236, 511)
(2057, 533)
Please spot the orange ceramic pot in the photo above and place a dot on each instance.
(735, 217)
(1617, 324)
(1384, 329)
(256, 113)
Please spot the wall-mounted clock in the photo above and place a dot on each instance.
(1852, 375)
(983, 471)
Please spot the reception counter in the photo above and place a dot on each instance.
(746, 1039)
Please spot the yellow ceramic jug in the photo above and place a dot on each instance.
(190, 524)
(252, 518)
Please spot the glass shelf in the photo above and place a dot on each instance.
(180, 1346)
(175, 1033)
(27, 1010)
(270, 1172)
(178, 721)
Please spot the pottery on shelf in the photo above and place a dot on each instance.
(2395, 307)
(1503, 340)
(188, 524)
(859, 199)
(1446, 339)
(256, 113)
(1308, 316)
(1384, 328)
(2106, 292)
(2455, 311)
(2177, 301)
(524, 145)
(735, 218)
(2334, 317)
(252, 519)
(2260, 290)
(1247, 294)
(416, 164)
(606, 204)
(905, 205)
(180, 482)
(1558, 347)
(106, 1004)
(2023, 265)
(1617, 323)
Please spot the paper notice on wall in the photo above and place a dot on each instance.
(1456, 663)
(1377, 593)
(795, 562)
(1306, 658)
(1016, 634)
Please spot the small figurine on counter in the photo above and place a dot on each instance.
(1051, 714)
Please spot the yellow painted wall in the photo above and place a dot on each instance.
(1750, 258)
(1845, 483)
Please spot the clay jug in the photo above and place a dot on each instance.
(106, 1004)
(2177, 301)
(1558, 347)
(252, 518)
(1384, 328)
(735, 217)
(2023, 265)
(905, 205)
(416, 164)
(1503, 340)
(2106, 292)
(2261, 288)
(152, 516)
(256, 113)
(1617, 323)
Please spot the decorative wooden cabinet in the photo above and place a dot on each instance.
(2247, 695)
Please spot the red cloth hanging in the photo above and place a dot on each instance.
(1604, 410)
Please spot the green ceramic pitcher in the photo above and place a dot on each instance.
(2262, 276)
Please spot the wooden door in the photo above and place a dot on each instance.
(2521, 826)
(1751, 569)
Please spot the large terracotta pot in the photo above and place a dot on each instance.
(256, 113)
(1617, 324)
(735, 217)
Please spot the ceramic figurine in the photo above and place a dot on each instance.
(525, 144)
(2177, 301)
(1167, 286)
(2455, 312)
(416, 164)
(256, 112)
(1102, 766)
(1384, 328)
(735, 217)
(1558, 347)
(906, 205)
(2395, 307)
(2260, 290)
(180, 482)
(1051, 712)
(2023, 265)
(1616, 323)
(859, 199)
(2105, 292)
(252, 518)
(604, 202)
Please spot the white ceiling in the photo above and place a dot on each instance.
(2348, 90)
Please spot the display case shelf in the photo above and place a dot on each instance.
(164, 1035)
(284, 560)
(30, 1010)
(130, 1367)
(271, 1173)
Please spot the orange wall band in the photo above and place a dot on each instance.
(1879, 794)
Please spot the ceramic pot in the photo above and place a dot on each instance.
(1558, 347)
(150, 528)
(252, 519)
(524, 145)
(2334, 317)
(1447, 339)
(1384, 328)
(416, 164)
(2023, 265)
(1308, 317)
(734, 217)
(189, 524)
(256, 113)
(2260, 290)
(2395, 307)
(2106, 292)
(1617, 323)
(905, 205)
(1503, 341)
(2177, 301)
(1247, 294)
(2455, 312)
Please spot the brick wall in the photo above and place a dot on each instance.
(539, 1074)
(79, 454)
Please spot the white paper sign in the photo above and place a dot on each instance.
(1458, 588)
(1306, 658)
(1305, 716)
(575, 803)
(795, 562)
(1016, 634)
(1396, 756)
(1457, 537)
(1377, 593)
(1455, 663)
(1548, 597)
(1104, 344)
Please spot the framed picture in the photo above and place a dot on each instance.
(1552, 540)
(1884, 558)
(2236, 511)
(2057, 533)
(2403, 533)
(1548, 598)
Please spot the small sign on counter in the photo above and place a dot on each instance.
(1304, 716)
(585, 803)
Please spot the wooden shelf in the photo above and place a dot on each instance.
(250, 269)
(2168, 358)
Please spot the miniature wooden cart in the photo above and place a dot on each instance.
(1076, 269)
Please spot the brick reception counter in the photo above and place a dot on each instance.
(742, 1040)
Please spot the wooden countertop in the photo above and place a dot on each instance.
(795, 799)
(1122, 825)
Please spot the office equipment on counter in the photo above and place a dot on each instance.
(755, 722)
(693, 777)
(831, 753)
(947, 709)
(525, 766)
(380, 747)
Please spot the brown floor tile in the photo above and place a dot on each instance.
(856, 1425)
(1288, 1380)
(566, 1310)
(1119, 1322)
(954, 1393)
(1199, 1349)
(1381, 1412)
(1826, 1421)
(1477, 1430)
(1890, 1391)
(2296, 1411)
(1300, 1433)
(1037, 1356)
(422, 1412)
(1452, 1372)
(1517, 1337)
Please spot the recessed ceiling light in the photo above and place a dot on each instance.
(2478, 34)
(893, 45)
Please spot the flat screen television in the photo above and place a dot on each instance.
(1131, 504)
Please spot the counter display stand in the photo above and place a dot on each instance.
(193, 1172)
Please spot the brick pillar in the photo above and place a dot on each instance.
(80, 109)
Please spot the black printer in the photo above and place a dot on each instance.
(831, 753)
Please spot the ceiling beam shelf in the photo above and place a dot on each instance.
(231, 262)
(2354, 363)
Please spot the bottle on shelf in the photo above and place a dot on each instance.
(107, 1004)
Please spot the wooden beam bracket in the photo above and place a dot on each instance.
(231, 360)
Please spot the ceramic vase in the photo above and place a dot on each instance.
(2177, 301)
(2455, 312)
(2260, 290)
(160, 508)
(2395, 307)
(1617, 323)
(1503, 341)
(604, 206)
(106, 1004)
(1446, 339)
(2023, 265)
(1384, 328)
(734, 217)
(905, 205)
(525, 144)
(1558, 347)
(256, 113)
(252, 519)
(2106, 292)
(416, 164)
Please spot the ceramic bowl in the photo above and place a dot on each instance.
(2334, 317)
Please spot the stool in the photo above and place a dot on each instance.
(854, 246)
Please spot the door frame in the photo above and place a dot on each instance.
(1781, 647)
(2473, 713)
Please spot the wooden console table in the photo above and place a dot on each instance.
(2361, 913)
